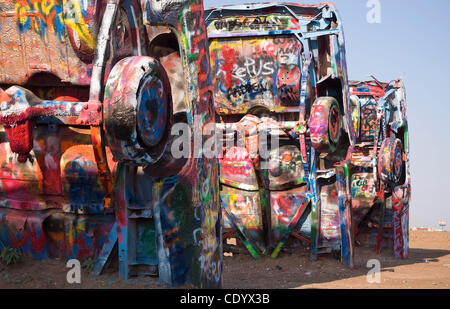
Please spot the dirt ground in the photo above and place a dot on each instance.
(428, 267)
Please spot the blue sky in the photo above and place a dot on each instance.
(412, 42)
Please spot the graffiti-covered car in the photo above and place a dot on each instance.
(281, 94)
(380, 176)
(88, 98)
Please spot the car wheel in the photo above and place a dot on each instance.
(390, 160)
(325, 124)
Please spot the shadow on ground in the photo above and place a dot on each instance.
(428, 266)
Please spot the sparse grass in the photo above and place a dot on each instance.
(11, 255)
(88, 264)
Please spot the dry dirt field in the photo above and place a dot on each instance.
(428, 267)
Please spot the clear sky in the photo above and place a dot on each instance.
(412, 42)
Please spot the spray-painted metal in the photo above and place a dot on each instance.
(380, 170)
(274, 64)
(89, 94)
(281, 69)
(92, 92)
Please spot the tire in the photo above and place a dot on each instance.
(325, 124)
(137, 110)
(390, 160)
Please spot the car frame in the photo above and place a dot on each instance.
(88, 100)
(380, 169)
(313, 102)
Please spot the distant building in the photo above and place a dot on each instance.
(421, 229)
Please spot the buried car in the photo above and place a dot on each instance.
(306, 154)
(282, 97)
(87, 102)
(380, 172)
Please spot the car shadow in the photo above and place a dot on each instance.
(295, 269)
